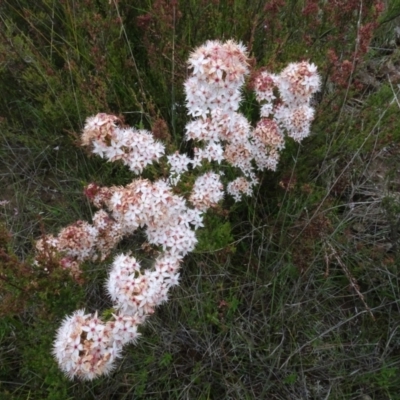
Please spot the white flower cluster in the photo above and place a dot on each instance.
(296, 84)
(207, 191)
(81, 241)
(213, 95)
(240, 186)
(268, 139)
(137, 294)
(218, 72)
(135, 148)
(169, 221)
(86, 346)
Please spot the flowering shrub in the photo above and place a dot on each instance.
(87, 346)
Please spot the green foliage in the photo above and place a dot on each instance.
(216, 235)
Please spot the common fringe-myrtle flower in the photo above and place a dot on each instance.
(87, 347)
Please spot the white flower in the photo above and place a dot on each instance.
(179, 163)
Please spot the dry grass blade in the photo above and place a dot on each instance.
(350, 277)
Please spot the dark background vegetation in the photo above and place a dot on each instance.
(291, 294)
